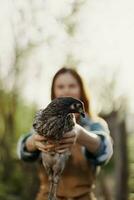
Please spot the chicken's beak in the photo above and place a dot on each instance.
(81, 111)
(82, 114)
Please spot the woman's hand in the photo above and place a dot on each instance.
(39, 142)
(69, 139)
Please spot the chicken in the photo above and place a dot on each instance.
(53, 122)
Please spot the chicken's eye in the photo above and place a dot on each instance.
(73, 106)
(78, 105)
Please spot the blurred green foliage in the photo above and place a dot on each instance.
(16, 177)
(131, 166)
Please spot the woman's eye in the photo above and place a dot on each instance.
(60, 86)
(72, 86)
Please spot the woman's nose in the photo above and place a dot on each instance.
(66, 92)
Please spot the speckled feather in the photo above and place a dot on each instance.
(54, 127)
(55, 119)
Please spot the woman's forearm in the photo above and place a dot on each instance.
(88, 139)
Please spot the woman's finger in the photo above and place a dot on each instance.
(64, 146)
(43, 150)
(39, 145)
(43, 146)
(62, 150)
(67, 140)
(49, 146)
(39, 137)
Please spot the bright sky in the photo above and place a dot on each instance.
(104, 38)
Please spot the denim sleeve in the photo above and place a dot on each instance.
(23, 153)
(105, 151)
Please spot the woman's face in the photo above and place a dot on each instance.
(66, 85)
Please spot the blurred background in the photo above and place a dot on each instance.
(37, 37)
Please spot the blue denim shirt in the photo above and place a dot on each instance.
(99, 127)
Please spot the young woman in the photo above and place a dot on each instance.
(89, 142)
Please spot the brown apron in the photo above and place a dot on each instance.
(76, 181)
